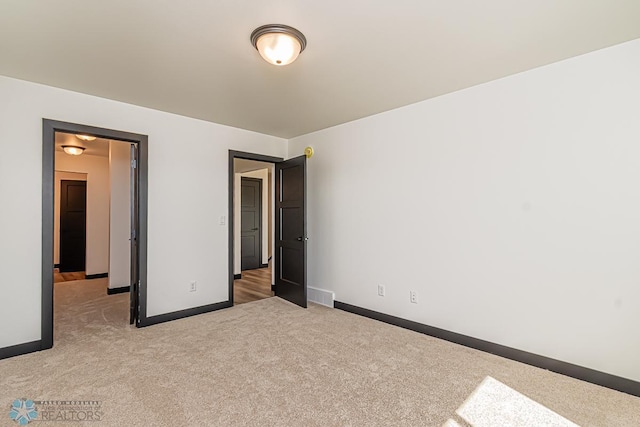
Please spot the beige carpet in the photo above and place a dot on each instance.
(269, 363)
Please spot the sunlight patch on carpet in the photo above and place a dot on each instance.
(495, 404)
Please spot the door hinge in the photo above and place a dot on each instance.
(134, 163)
(133, 234)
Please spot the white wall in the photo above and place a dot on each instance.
(188, 192)
(512, 208)
(58, 177)
(119, 214)
(263, 175)
(97, 170)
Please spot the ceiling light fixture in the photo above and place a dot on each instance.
(278, 44)
(85, 138)
(73, 149)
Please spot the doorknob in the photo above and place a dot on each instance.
(254, 229)
(300, 239)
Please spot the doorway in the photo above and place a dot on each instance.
(284, 248)
(253, 230)
(137, 235)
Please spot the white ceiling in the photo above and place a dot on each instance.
(363, 56)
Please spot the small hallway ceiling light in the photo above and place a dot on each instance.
(278, 44)
(85, 138)
(73, 150)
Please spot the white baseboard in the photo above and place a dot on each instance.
(320, 296)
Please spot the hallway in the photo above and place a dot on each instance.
(254, 285)
(67, 277)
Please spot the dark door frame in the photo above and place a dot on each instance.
(247, 156)
(49, 128)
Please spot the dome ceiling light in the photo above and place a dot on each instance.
(278, 44)
(73, 150)
(86, 137)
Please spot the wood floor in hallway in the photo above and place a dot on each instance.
(67, 277)
(254, 285)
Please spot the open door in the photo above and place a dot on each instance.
(134, 292)
(291, 233)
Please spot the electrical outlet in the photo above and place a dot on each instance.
(192, 286)
(413, 297)
(223, 220)
(381, 290)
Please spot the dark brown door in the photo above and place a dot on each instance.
(250, 224)
(73, 225)
(291, 238)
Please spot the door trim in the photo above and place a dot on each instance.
(247, 156)
(49, 128)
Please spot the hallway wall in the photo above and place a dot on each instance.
(119, 214)
(96, 169)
